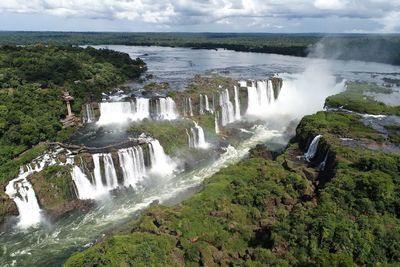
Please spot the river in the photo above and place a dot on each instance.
(307, 82)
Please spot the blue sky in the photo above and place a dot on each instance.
(349, 16)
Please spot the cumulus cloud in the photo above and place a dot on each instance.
(193, 12)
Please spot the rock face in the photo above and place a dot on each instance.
(7, 208)
(68, 207)
(262, 151)
(53, 186)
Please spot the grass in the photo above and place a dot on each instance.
(10, 169)
(354, 99)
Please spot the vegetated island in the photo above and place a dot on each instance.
(366, 47)
(339, 208)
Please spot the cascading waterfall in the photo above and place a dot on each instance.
(161, 164)
(190, 139)
(187, 107)
(190, 107)
(217, 131)
(132, 165)
(201, 105)
(20, 190)
(119, 112)
(204, 104)
(242, 83)
(260, 97)
(227, 109)
(83, 186)
(89, 114)
(312, 149)
(109, 171)
(207, 105)
(142, 108)
(237, 103)
(196, 137)
(166, 109)
(98, 180)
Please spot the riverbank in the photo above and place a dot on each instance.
(339, 207)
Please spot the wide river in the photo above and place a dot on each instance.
(307, 82)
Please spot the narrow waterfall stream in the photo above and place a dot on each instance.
(312, 149)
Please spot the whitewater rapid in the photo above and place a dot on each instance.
(50, 245)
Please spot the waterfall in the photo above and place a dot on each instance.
(20, 190)
(85, 189)
(142, 108)
(109, 171)
(321, 166)
(98, 181)
(217, 131)
(161, 164)
(237, 103)
(197, 139)
(201, 110)
(132, 165)
(201, 141)
(119, 112)
(260, 97)
(207, 105)
(242, 83)
(89, 114)
(190, 107)
(166, 109)
(190, 139)
(204, 104)
(228, 112)
(312, 149)
(187, 107)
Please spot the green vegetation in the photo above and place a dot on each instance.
(171, 134)
(268, 213)
(11, 168)
(337, 124)
(394, 133)
(367, 47)
(354, 99)
(32, 80)
(53, 186)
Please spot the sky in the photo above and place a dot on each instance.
(284, 16)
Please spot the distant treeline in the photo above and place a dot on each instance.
(376, 48)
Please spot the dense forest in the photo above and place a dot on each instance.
(367, 47)
(32, 80)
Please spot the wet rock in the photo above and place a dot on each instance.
(65, 209)
(7, 210)
(262, 151)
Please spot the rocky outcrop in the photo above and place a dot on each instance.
(7, 209)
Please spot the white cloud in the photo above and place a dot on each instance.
(194, 12)
(330, 4)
